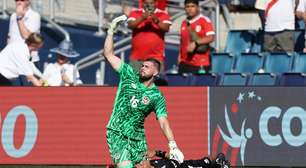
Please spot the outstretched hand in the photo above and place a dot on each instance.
(114, 24)
(175, 153)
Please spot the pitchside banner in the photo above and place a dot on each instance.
(259, 126)
(67, 125)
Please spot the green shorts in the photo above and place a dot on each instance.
(123, 148)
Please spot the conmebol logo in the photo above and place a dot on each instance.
(257, 128)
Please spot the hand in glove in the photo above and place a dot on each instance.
(175, 153)
(115, 23)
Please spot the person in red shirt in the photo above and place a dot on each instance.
(196, 34)
(149, 25)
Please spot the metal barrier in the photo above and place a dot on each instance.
(4, 15)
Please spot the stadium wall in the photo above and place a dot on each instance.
(66, 126)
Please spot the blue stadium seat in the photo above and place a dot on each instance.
(263, 79)
(299, 40)
(249, 63)
(239, 41)
(278, 63)
(204, 80)
(178, 79)
(293, 79)
(300, 63)
(233, 79)
(222, 63)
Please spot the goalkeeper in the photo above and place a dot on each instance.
(136, 97)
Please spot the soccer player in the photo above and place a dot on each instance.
(136, 97)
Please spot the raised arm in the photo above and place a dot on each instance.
(109, 44)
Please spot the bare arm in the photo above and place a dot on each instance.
(206, 39)
(24, 32)
(109, 53)
(20, 13)
(34, 80)
(165, 126)
(132, 24)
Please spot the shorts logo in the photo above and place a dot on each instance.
(145, 100)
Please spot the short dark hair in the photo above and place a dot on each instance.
(34, 38)
(156, 63)
(192, 1)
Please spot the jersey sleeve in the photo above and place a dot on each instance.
(160, 107)
(133, 16)
(208, 27)
(126, 71)
(165, 18)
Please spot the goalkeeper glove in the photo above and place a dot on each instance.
(175, 153)
(115, 23)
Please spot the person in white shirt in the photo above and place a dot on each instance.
(279, 26)
(15, 60)
(61, 73)
(22, 23)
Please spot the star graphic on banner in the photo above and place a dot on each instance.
(240, 97)
(251, 95)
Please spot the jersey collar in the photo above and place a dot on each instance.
(196, 18)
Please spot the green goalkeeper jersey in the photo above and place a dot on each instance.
(134, 102)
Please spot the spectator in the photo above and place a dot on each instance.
(196, 34)
(301, 14)
(279, 35)
(24, 22)
(260, 5)
(14, 60)
(61, 73)
(149, 26)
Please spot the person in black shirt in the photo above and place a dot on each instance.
(165, 162)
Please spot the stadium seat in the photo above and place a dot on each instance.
(263, 79)
(293, 79)
(178, 79)
(233, 79)
(249, 63)
(278, 63)
(300, 63)
(204, 80)
(222, 63)
(239, 41)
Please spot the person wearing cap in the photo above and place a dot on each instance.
(61, 72)
(15, 60)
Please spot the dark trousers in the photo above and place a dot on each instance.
(4, 81)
